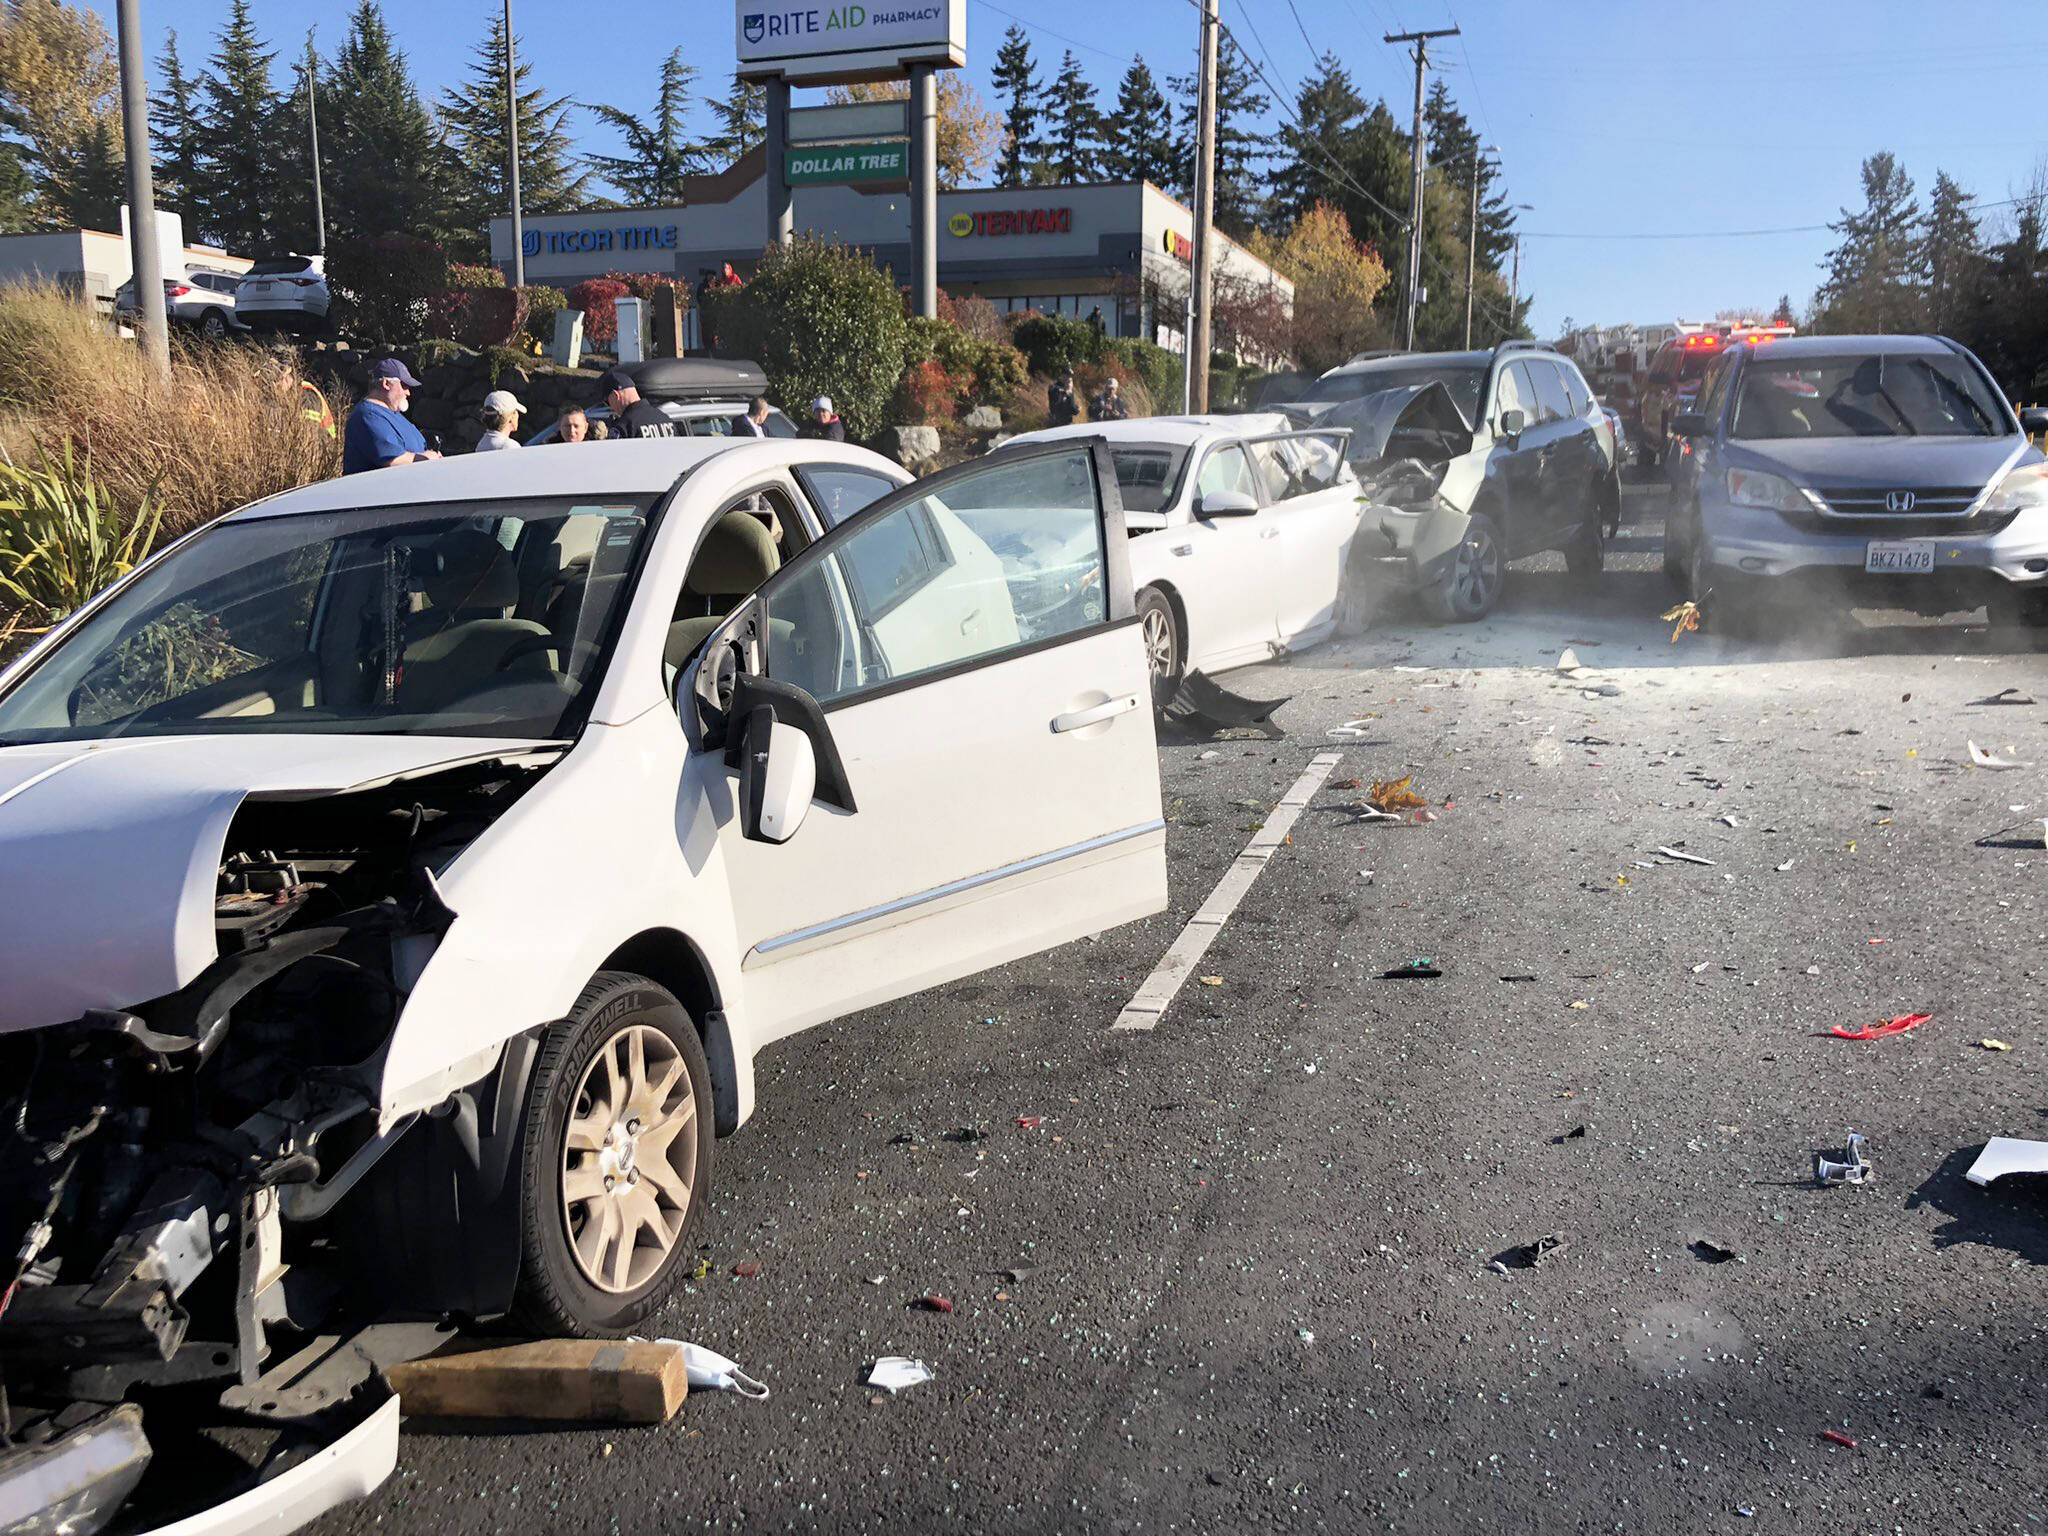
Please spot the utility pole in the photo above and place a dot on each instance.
(1197, 361)
(512, 140)
(1421, 41)
(310, 69)
(142, 240)
(1515, 287)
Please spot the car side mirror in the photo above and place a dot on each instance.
(2034, 420)
(1512, 423)
(778, 777)
(1225, 504)
(1688, 424)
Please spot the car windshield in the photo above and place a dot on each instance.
(1464, 384)
(463, 619)
(1148, 475)
(1874, 396)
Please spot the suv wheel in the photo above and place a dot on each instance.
(1586, 555)
(618, 1160)
(213, 325)
(1476, 579)
(1729, 605)
(1677, 558)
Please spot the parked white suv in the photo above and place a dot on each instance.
(284, 293)
(415, 934)
(202, 299)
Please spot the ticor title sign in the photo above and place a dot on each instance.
(847, 163)
(1013, 221)
(914, 28)
(569, 242)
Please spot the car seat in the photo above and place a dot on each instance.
(737, 555)
(464, 639)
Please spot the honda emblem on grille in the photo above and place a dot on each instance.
(1898, 501)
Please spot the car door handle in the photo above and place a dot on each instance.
(1095, 714)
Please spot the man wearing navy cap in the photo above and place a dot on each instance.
(378, 435)
(631, 416)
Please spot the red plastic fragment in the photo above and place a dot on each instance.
(1838, 1437)
(933, 1304)
(1878, 1031)
(747, 1269)
(1030, 1122)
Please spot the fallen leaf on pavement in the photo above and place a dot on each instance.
(1394, 795)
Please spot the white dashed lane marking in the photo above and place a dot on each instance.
(1179, 962)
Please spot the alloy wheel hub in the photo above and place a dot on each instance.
(629, 1160)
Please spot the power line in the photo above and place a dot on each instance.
(1039, 26)
(1731, 234)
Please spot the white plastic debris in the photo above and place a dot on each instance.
(1569, 662)
(2008, 1154)
(1685, 858)
(1827, 1171)
(897, 1373)
(1985, 759)
(1350, 730)
(708, 1370)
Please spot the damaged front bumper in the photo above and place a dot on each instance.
(1408, 548)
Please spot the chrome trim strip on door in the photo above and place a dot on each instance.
(955, 887)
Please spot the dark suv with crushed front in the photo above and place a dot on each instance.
(1882, 469)
(1467, 460)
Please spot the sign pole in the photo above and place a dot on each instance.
(1205, 214)
(924, 189)
(512, 154)
(781, 209)
(142, 237)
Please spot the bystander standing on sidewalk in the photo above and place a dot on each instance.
(825, 422)
(1061, 401)
(501, 411)
(1109, 405)
(378, 435)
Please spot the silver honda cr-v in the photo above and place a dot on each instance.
(1885, 470)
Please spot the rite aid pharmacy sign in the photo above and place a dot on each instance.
(815, 43)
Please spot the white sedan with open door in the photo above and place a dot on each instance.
(403, 873)
(1240, 529)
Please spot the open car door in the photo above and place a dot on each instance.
(925, 746)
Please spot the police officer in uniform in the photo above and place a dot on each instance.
(632, 417)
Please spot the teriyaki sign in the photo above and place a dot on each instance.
(805, 41)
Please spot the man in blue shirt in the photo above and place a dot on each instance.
(378, 435)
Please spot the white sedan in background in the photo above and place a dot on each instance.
(1240, 528)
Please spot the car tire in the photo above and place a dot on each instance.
(618, 1129)
(1728, 604)
(1677, 558)
(1585, 557)
(1165, 647)
(1474, 586)
(213, 325)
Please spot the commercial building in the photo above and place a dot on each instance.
(93, 262)
(1123, 249)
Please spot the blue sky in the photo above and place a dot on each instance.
(1616, 119)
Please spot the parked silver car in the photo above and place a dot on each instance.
(202, 299)
(1887, 469)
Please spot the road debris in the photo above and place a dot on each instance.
(2008, 1154)
(967, 1135)
(1520, 978)
(1685, 858)
(610, 1381)
(1421, 968)
(898, 1373)
(1993, 1045)
(1350, 730)
(1707, 1251)
(1569, 663)
(747, 1269)
(1883, 1027)
(1854, 1171)
(1212, 981)
(1983, 759)
(1576, 1133)
(932, 1304)
(2004, 696)
(1786, 867)
(1030, 1122)
(1581, 1005)
(710, 1371)
(1838, 1437)
(1345, 784)
(1391, 795)
(1604, 691)
(1532, 1255)
(1729, 821)
(1684, 619)
(1200, 707)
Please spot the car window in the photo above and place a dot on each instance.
(780, 425)
(1665, 368)
(1551, 402)
(1577, 395)
(1870, 396)
(708, 426)
(1511, 392)
(1714, 393)
(1148, 474)
(999, 558)
(840, 490)
(1463, 381)
(1227, 469)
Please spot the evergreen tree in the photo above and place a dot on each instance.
(474, 114)
(60, 109)
(1955, 257)
(1239, 147)
(2011, 334)
(229, 185)
(659, 151)
(385, 169)
(85, 180)
(1073, 148)
(291, 215)
(1315, 147)
(17, 193)
(1874, 278)
(1783, 314)
(174, 133)
(742, 122)
(1016, 82)
(1138, 136)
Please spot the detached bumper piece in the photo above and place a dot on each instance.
(75, 1482)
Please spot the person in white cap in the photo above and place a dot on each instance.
(500, 411)
(825, 422)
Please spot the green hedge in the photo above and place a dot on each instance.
(382, 286)
(1052, 344)
(1159, 368)
(820, 319)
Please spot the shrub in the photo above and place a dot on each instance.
(976, 316)
(595, 297)
(1158, 368)
(542, 305)
(382, 286)
(498, 359)
(469, 274)
(820, 319)
(928, 394)
(477, 317)
(61, 536)
(223, 430)
(1052, 344)
(651, 285)
(985, 372)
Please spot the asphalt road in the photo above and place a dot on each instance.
(1259, 1238)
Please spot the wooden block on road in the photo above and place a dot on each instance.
(599, 1380)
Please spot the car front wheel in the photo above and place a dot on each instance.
(213, 325)
(1477, 575)
(1160, 627)
(617, 1163)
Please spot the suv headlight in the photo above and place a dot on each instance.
(1754, 488)
(2023, 488)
